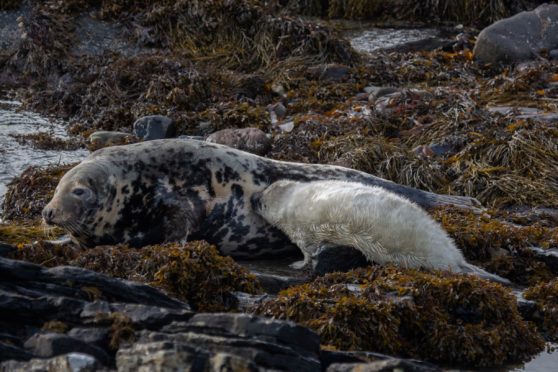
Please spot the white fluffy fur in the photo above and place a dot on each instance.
(385, 227)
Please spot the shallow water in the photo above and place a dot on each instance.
(374, 39)
(15, 158)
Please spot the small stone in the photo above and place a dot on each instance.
(154, 127)
(246, 139)
(381, 92)
(279, 109)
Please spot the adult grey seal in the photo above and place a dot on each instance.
(385, 227)
(173, 189)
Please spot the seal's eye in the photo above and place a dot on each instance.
(78, 191)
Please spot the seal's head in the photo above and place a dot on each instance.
(77, 197)
(269, 202)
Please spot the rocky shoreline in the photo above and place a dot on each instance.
(462, 113)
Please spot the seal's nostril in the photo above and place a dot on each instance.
(48, 214)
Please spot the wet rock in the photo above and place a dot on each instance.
(273, 284)
(102, 139)
(99, 336)
(46, 345)
(72, 362)
(154, 127)
(553, 54)
(519, 38)
(330, 72)
(548, 256)
(331, 258)
(32, 297)
(161, 356)
(246, 139)
(6, 249)
(267, 343)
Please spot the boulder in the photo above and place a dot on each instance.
(246, 139)
(154, 127)
(521, 37)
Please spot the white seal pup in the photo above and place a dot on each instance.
(385, 227)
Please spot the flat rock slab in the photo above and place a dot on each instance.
(519, 38)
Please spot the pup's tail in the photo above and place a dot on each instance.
(472, 269)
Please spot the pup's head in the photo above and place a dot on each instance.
(268, 202)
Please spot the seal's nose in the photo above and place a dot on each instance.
(48, 214)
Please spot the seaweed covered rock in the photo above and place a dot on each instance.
(31, 191)
(439, 317)
(545, 295)
(194, 272)
(519, 38)
(501, 246)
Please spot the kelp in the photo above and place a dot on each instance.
(441, 317)
(194, 272)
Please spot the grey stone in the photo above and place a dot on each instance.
(72, 362)
(99, 336)
(519, 38)
(46, 345)
(142, 316)
(553, 54)
(330, 258)
(161, 356)
(246, 139)
(154, 127)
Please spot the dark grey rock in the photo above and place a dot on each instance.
(273, 283)
(268, 343)
(99, 336)
(519, 38)
(9, 351)
(154, 127)
(330, 258)
(330, 72)
(72, 362)
(6, 249)
(553, 54)
(46, 345)
(548, 256)
(246, 139)
(141, 316)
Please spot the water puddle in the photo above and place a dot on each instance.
(374, 39)
(15, 158)
(545, 361)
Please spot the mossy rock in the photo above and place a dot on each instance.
(194, 272)
(28, 194)
(441, 317)
(545, 295)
